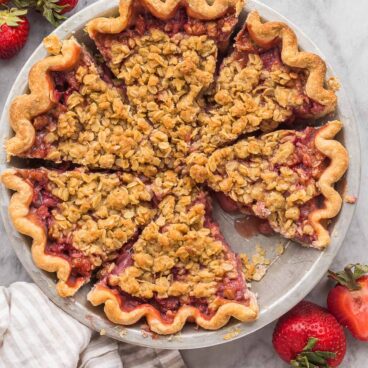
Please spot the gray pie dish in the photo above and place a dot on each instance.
(288, 279)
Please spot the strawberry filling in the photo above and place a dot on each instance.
(65, 84)
(42, 209)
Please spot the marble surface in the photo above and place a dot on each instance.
(340, 30)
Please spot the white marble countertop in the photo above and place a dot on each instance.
(340, 30)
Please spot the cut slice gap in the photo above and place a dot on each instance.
(78, 220)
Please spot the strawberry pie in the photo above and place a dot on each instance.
(118, 151)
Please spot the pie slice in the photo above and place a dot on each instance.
(285, 177)
(78, 220)
(165, 54)
(179, 269)
(264, 82)
(75, 113)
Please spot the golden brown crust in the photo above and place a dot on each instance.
(40, 100)
(267, 34)
(25, 224)
(103, 295)
(339, 161)
(199, 9)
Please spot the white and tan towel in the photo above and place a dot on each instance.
(35, 333)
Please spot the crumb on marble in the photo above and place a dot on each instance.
(233, 333)
(333, 84)
(350, 199)
(102, 332)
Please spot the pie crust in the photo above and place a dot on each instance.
(128, 10)
(19, 213)
(102, 295)
(40, 99)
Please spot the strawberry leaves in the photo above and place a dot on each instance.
(50, 9)
(312, 359)
(12, 17)
(349, 276)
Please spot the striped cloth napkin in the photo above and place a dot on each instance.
(34, 333)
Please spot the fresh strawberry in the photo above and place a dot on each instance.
(69, 5)
(348, 300)
(52, 10)
(14, 30)
(309, 336)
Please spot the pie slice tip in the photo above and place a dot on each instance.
(19, 214)
(40, 98)
(103, 295)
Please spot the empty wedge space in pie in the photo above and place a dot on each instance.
(126, 145)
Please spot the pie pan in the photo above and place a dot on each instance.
(289, 278)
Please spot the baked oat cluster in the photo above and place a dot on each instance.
(143, 131)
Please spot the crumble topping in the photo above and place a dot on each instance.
(52, 44)
(274, 177)
(350, 199)
(97, 213)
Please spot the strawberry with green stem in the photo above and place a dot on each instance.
(14, 31)
(348, 300)
(308, 336)
(52, 10)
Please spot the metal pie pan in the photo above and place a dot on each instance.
(289, 278)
